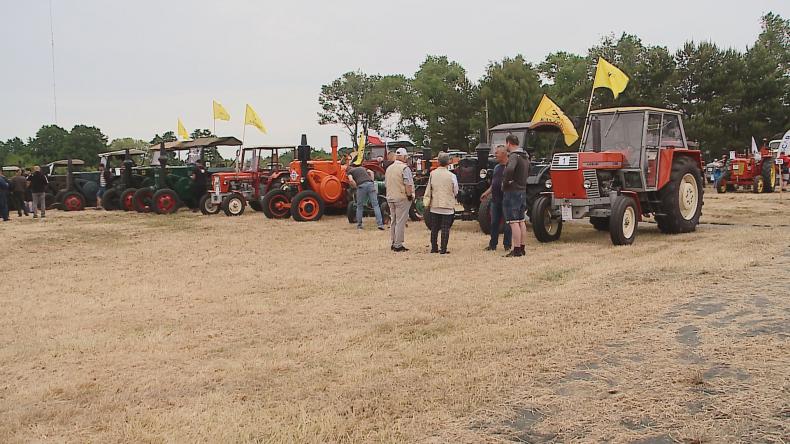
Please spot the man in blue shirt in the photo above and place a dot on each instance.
(495, 207)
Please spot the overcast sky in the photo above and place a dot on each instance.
(133, 67)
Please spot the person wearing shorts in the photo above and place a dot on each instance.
(514, 196)
(104, 178)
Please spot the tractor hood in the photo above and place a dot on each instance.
(588, 160)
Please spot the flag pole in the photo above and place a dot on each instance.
(589, 107)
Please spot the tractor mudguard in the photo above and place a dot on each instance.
(635, 197)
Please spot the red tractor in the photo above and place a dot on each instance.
(258, 171)
(761, 176)
(633, 162)
(313, 186)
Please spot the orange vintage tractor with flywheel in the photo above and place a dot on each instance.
(312, 187)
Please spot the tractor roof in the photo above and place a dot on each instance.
(625, 109)
(201, 142)
(132, 152)
(525, 125)
(11, 168)
(271, 147)
(392, 145)
(66, 162)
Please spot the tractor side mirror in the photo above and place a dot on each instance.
(595, 130)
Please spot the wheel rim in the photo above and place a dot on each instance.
(308, 208)
(72, 203)
(208, 206)
(277, 205)
(165, 203)
(760, 186)
(773, 178)
(629, 222)
(235, 205)
(127, 201)
(548, 222)
(688, 197)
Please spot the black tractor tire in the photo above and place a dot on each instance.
(72, 201)
(545, 227)
(49, 200)
(165, 201)
(255, 204)
(769, 175)
(269, 204)
(623, 221)
(386, 217)
(600, 223)
(111, 200)
(59, 196)
(307, 206)
(680, 214)
(758, 184)
(721, 187)
(206, 207)
(127, 199)
(233, 205)
(484, 216)
(143, 200)
(351, 212)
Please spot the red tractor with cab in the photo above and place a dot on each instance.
(745, 170)
(633, 162)
(258, 171)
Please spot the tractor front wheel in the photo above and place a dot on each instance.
(142, 200)
(624, 220)
(681, 198)
(206, 207)
(275, 204)
(547, 228)
(73, 201)
(307, 206)
(165, 201)
(127, 199)
(111, 201)
(234, 205)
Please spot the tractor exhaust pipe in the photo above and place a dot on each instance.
(69, 175)
(303, 153)
(595, 129)
(333, 143)
(127, 169)
(162, 165)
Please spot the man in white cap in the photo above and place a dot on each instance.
(400, 192)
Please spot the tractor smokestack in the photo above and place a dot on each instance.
(127, 168)
(303, 153)
(333, 143)
(595, 129)
(162, 165)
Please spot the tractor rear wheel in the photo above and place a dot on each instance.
(600, 223)
(49, 200)
(758, 185)
(307, 206)
(721, 187)
(681, 198)
(624, 220)
(111, 201)
(234, 204)
(73, 201)
(484, 215)
(127, 199)
(275, 204)
(59, 196)
(206, 207)
(351, 212)
(546, 227)
(165, 201)
(142, 200)
(769, 175)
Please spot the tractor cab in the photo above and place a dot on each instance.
(632, 162)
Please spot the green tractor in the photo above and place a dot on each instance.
(127, 172)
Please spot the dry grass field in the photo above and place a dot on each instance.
(118, 327)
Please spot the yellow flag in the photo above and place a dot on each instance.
(220, 113)
(182, 132)
(251, 118)
(609, 76)
(548, 111)
(360, 149)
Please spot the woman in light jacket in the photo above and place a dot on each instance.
(440, 201)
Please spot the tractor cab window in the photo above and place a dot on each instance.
(653, 130)
(621, 132)
(498, 138)
(671, 136)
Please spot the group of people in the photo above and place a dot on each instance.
(26, 190)
(507, 192)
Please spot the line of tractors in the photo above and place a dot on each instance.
(633, 162)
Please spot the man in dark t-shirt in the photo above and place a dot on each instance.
(495, 208)
(362, 179)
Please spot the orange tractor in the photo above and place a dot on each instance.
(312, 187)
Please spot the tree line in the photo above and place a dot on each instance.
(727, 95)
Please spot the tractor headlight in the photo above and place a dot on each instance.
(587, 184)
(483, 173)
(548, 183)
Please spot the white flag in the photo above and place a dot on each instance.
(784, 145)
(755, 151)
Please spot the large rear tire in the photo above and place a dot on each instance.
(624, 221)
(142, 200)
(681, 198)
(546, 227)
(255, 204)
(769, 175)
(206, 207)
(758, 185)
(127, 199)
(275, 204)
(165, 201)
(73, 201)
(111, 200)
(307, 206)
(233, 205)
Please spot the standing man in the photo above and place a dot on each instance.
(105, 176)
(4, 188)
(38, 187)
(495, 207)
(28, 192)
(440, 200)
(18, 196)
(362, 179)
(400, 193)
(199, 183)
(514, 196)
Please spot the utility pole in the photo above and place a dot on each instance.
(52, 42)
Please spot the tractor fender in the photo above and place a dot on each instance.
(635, 196)
(667, 158)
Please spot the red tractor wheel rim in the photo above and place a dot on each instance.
(277, 205)
(127, 202)
(165, 203)
(308, 208)
(72, 203)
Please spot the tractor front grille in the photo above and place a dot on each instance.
(565, 161)
(594, 191)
